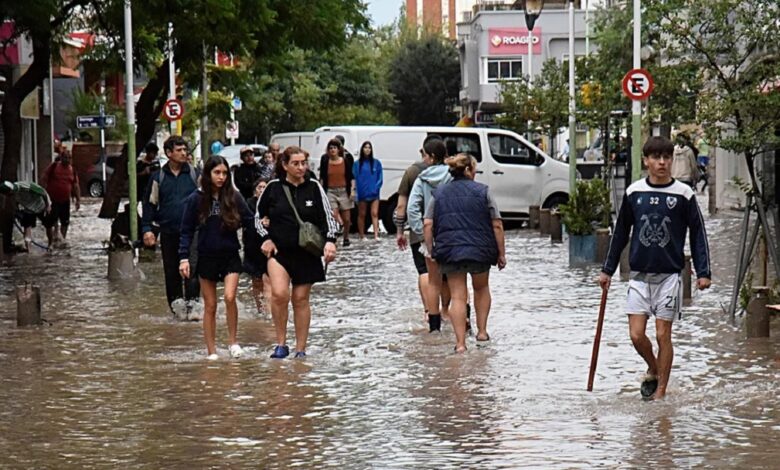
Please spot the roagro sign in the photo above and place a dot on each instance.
(511, 41)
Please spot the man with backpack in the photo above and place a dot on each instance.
(163, 205)
(62, 183)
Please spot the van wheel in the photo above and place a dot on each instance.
(554, 201)
(95, 188)
(386, 209)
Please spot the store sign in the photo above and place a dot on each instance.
(513, 41)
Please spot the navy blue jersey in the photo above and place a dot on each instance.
(660, 217)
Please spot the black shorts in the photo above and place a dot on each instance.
(419, 259)
(216, 267)
(301, 266)
(28, 219)
(60, 211)
(255, 264)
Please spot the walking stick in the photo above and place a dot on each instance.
(594, 357)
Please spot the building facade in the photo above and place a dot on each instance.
(493, 47)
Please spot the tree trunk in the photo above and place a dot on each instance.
(12, 126)
(147, 110)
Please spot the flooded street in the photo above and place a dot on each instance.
(114, 382)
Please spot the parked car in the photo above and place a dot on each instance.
(232, 155)
(519, 174)
(91, 177)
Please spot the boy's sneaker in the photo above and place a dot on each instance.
(235, 351)
(280, 352)
(212, 357)
(300, 354)
(346, 242)
(434, 322)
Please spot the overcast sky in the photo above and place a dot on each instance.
(383, 12)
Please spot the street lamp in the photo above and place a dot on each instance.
(532, 10)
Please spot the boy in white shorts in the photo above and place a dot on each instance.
(656, 213)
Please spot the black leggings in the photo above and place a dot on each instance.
(169, 243)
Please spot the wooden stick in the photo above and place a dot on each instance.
(594, 357)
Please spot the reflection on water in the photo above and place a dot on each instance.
(114, 382)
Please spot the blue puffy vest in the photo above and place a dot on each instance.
(462, 227)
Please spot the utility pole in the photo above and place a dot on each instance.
(130, 109)
(572, 106)
(204, 120)
(636, 106)
(175, 124)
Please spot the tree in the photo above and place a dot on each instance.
(543, 104)
(425, 79)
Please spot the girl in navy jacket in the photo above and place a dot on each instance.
(216, 212)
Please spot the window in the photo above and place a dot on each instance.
(504, 69)
(507, 149)
(462, 143)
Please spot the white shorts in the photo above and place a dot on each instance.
(661, 298)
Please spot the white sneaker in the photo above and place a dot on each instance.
(213, 357)
(235, 351)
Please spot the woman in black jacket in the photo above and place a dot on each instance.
(287, 261)
(216, 212)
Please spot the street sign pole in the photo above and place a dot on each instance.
(130, 108)
(103, 142)
(636, 106)
(232, 118)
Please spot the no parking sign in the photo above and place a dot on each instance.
(637, 84)
(173, 110)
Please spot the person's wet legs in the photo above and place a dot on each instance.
(422, 286)
(361, 220)
(301, 314)
(446, 298)
(663, 331)
(482, 301)
(258, 293)
(432, 295)
(209, 292)
(375, 218)
(280, 298)
(459, 291)
(346, 217)
(169, 245)
(231, 308)
(637, 324)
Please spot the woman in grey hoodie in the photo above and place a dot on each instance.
(431, 178)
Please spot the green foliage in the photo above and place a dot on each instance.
(544, 104)
(425, 79)
(588, 208)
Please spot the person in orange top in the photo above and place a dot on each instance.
(336, 177)
(62, 184)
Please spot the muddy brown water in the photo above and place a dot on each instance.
(114, 382)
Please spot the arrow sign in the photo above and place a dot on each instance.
(95, 121)
(173, 110)
(637, 84)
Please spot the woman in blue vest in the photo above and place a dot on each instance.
(368, 183)
(464, 232)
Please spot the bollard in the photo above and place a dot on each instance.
(120, 264)
(757, 314)
(28, 305)
(602, 244)
(686, 281)
(544, 221)
(556, 231)
(533, 217)
(625, 268)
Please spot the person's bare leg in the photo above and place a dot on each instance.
(637, 324)
(362, 206)
(422, 286)
(208, 290)
(446, 298)
(258, 289)
(432, 294)
(280, 298)
(28, 238)
(302, 314)
(459, 290)
(346, 217)
(375, 218)
(663, 331)
(482, 300)
(231, 308)
(267, 294)
(64, 231)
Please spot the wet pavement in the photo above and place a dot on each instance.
(114, 382)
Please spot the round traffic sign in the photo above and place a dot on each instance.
(173, 110)
(637, 84)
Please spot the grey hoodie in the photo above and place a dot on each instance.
(430, 179)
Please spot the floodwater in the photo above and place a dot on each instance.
(113, 382)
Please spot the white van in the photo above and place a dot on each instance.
(303, 140)
(519, 174)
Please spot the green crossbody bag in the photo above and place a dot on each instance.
(309, 236)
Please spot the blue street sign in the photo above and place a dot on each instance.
(94, 121)
(236, 103)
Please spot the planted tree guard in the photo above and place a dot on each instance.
(757, 315)
(28, 305)
(602, 245)
(533, 217)
(556, 231)
(544, 221)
